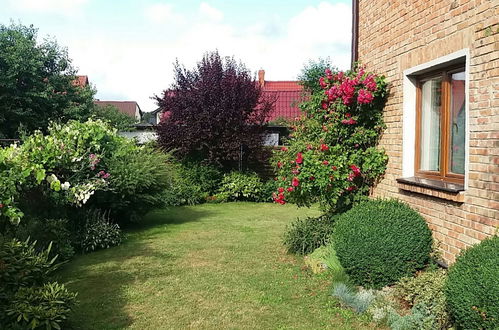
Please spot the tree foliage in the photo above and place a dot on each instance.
(312, 72)
(213, 109)
(37, 83)
(112, 115)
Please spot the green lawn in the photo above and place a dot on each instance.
(212, 266)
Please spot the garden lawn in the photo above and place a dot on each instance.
(208, 266)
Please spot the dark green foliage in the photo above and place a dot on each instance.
(207, 177)
(266, 191)
(312, 71)
(99, 232)
(428, 289)
(37, 83)
(472, 288)
(27, 301)
(380, 241)
(46, 231)
(306, 235)
(237, 186)
(46, 307)
(113, 116)
(139, 179)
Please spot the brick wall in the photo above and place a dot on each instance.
(399, 34)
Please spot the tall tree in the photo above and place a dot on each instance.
(213, 110)
(37, 83)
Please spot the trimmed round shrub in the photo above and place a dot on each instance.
(380, 241)
(472, 288)
(305, 235)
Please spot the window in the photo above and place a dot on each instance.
(441, 125)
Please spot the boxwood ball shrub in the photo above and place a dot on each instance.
(472, 288)
(380, 241)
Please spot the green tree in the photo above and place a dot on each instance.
(116, 118)
(37, 83)
(311, 73)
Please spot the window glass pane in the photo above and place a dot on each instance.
(457, 122)
(431, 95)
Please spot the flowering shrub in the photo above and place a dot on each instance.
(332, 156)
(63, 166)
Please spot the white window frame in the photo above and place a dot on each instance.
(409, 109)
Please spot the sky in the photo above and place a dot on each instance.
(127, 47)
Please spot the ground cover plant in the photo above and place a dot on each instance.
(303, 236)
(205, 266)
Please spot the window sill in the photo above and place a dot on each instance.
(439, 189)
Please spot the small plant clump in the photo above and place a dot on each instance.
(303, 236)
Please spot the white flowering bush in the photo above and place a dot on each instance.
(66, 166)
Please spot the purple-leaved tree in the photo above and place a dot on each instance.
(211, 110)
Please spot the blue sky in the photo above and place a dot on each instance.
(127, 47)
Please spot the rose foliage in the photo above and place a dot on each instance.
(332, 156)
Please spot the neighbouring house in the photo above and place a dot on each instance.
(130, 108)
(286, 96)
(441, 59)
(81, 81)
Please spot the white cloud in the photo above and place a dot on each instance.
(160, 13)
(61, 7)
(210, 12)
(137, 69)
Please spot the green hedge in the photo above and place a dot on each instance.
(380, 241)
(472, 288)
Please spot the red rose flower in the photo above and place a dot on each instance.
(355, 170)
(299, 158)
(280, 189)
(279, 164)
(284, 149)
(325, 162)
(312, 178)
(290, 189)
(364, 97)
(324, 147)
(295, 182)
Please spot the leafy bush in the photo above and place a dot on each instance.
(427, 289)
(46, 231)
(306, 235)
(26, 299)
(99, 232)
(267, 189)
(237, 186)
(472, 288)
(332, 155)
(208, 177)
(139, 178)
(380, 241)
(45, 307)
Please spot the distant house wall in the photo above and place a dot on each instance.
(400, 38)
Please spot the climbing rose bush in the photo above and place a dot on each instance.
(331, 155)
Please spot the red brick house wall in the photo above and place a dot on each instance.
(396, 35)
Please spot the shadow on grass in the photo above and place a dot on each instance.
(105, 279)
(168, 216)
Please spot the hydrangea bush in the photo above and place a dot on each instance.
(64, 165)
(332, 156)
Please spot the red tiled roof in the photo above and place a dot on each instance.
(287, 95)
(126, 107)
(81, 81)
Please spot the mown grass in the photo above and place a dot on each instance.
(212, 266)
